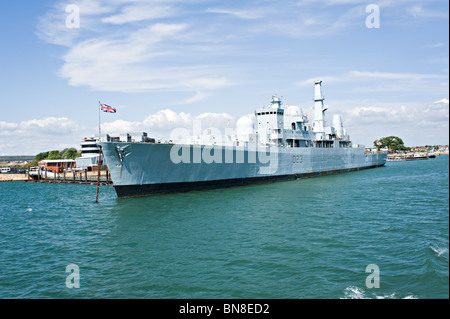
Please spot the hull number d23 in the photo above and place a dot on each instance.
(297, 159)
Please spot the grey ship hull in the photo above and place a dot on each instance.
(141, 169)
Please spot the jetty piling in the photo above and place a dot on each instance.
(98, 175)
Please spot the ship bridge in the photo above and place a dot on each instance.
(280, 126)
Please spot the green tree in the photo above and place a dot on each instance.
(41, 156)
(70, 153)
(392, 142)
(54, 155)
(31, 164)
(67, 153)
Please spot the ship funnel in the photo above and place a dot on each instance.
(337, 124)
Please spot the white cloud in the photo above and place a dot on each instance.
(243, 14)
(167, 119)
(163, 122)
(197, 97)
(49, 125)
(5, 127)
(377, 114)
(415, 123)
(437, 112)
(418, 11)
(140, 12)
(30, 137)
(443, 101)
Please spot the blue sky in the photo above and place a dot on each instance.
(163, 64)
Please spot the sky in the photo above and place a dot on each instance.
(164, 64)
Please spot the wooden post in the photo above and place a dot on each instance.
(64, 175)
(28, 173)
(98, 175)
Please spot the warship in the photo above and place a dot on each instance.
(278, 143)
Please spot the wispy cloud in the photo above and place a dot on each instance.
(52, 28)
(197, 97)
(129, 63)
(243, 14)
(436, 45)
(137, 58)
(140, 12)
(305, 21)
(417, 11)
(395, 76)
(374, 81)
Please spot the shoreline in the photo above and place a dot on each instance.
(13, 177)
(69, 177)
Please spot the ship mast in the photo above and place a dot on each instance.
(319, 109)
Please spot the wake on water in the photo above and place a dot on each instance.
(354, 292)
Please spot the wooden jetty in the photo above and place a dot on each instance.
(70, 176)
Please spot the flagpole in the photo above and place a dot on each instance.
(99, 130)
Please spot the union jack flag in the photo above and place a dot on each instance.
(107, 108)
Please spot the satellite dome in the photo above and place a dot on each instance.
(293, 110)
(244, 126)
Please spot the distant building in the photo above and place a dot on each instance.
(56, 166)
(419, 149)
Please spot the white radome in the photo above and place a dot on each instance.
(244, 126)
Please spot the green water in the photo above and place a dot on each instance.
(310, 238)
